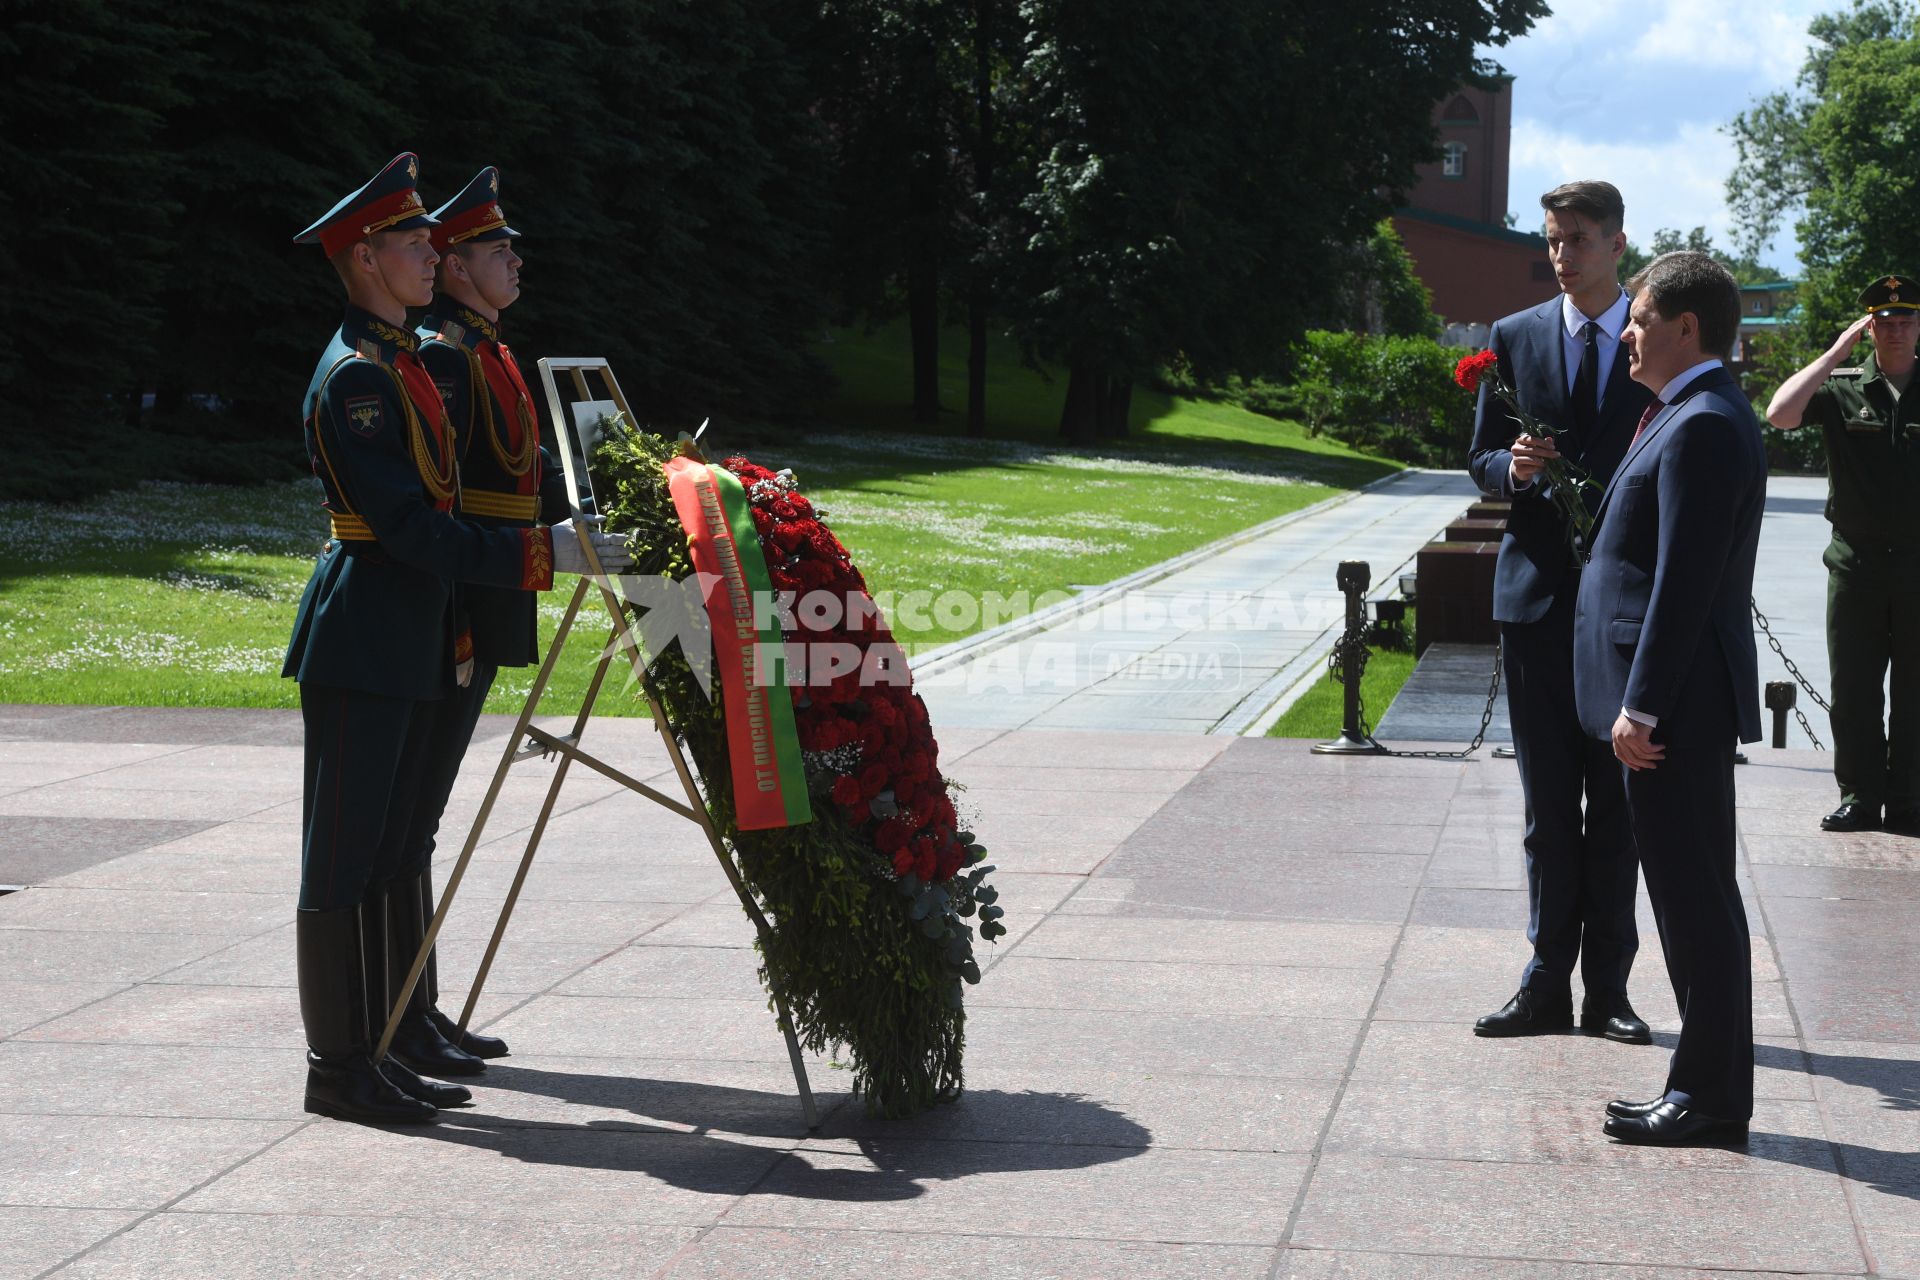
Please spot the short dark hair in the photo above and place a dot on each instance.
(1690, 281)
(1589, 198)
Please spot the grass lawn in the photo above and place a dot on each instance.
(1321, 709)
(179, 595)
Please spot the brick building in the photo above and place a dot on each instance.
(1454, 225)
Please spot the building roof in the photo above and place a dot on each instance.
(1470, 227)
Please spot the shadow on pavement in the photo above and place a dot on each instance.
(986, 1131)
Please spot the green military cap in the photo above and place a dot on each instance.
(1889, 294)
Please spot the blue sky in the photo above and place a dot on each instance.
(1637, 92)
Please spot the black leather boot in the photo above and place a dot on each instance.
(417, 1042)
(342, 1081)
(472, 1041)
(433, 1092)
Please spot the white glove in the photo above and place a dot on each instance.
(610, 547)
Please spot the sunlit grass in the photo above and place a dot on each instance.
(178, 595)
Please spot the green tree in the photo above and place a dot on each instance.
(1745, 268)
(84, 89)
(1778, 162)
(1189, 184)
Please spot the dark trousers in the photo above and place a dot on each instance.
(429, 776)
(1581, 872)
(1873, 622)
(1683, 823)
(360, 749)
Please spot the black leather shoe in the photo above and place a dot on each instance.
(1902, 822)
(419, 1044)
(1615, 1019)
(1634, 1110)
(350, 1088)
(480, 1046)
(1671, 1125)
(1527, 1014)
(431, 1092)
(1852, 817)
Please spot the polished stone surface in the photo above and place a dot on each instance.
(1228, 1035)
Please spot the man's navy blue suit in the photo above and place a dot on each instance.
(1581, 874)
(1663, 627)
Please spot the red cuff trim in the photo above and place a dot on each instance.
(536, 560)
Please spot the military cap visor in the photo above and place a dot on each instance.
(1891, 295)
(474, 214)
(388, 202)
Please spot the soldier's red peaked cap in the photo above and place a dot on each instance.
(474, 214)
(388, 202)
(1889, 294)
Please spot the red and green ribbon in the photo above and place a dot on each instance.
(769, 782)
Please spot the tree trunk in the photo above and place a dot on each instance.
(1079, 418)
(923, 319)
(925, 221)
(982, 179)
(1114, 406)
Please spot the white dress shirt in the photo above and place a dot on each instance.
(1573, 343)
(1673, 388)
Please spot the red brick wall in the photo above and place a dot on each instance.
(1476, 277)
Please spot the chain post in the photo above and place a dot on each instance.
(1780, 700)
(1349, 659)
(1760, 619)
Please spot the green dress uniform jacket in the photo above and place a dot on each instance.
(1873, 459)
(509, 480)
(1873, 583)
(377, 612)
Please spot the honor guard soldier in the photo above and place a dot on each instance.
(374, 641)
(1870, 420)
(508, 481)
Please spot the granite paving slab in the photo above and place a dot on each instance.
(34, 1240)
(773, 1253)
(1228, 1034)
(220, 1245)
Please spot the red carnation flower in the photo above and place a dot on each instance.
(1473, 368)
(903, 863)
(846, 791)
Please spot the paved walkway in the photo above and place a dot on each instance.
(1203, 644)
(1225, 1038)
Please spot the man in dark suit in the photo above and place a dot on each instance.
(1665, 670)
(1563, 361)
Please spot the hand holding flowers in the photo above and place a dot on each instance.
(1567, 483)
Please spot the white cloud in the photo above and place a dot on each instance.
(1677, 181)
(1769, 42)
(1637, 91)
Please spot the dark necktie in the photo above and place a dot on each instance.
(1652, 412)
(1586, 384)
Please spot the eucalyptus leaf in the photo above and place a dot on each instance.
(970, 970)
(933, 926)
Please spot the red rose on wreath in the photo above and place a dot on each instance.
(846, 791)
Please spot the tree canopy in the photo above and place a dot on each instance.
(704, 188)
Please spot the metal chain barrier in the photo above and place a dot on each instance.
(1760, 619)
(1347, 665)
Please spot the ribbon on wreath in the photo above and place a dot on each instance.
(769, 782)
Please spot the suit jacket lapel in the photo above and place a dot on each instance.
(1654, 428)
